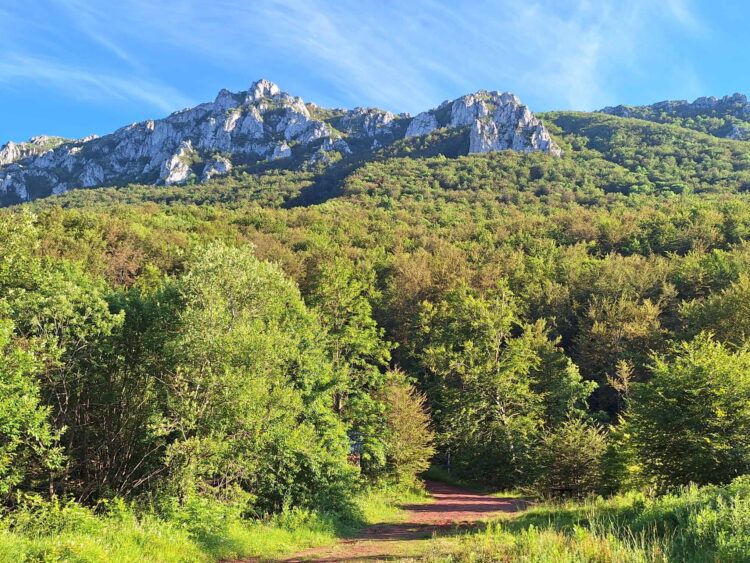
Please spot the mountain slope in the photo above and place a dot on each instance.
(604, 158)
(254, 127)
(727, 117)
(13, 152)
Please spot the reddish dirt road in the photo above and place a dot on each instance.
(452, 510)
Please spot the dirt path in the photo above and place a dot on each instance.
(453, 509)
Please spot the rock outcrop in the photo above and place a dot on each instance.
(177, 169)
(12, 152)
(367, 123)
(261, 124)
(423, 124)
(497, 122)
(218, 166)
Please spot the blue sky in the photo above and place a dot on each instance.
(75, 67)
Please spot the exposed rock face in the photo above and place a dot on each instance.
(12, 152)
(263, 89)
(423, 124)
(257, 125)
(329, 146)
(177, 169)
(92, 175)
(510, 126)
(219, 166)
(468, 110)
(282, 150)
(739, 133)
(497, 121)
(366, 122)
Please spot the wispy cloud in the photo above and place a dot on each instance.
(91, 20)
(683, 12)
(57, 46)
(85, 85)
(409, 54)
(400, 55)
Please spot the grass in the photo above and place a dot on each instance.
(198, 531)
(693, 525)
(382, 505)
(73, 533)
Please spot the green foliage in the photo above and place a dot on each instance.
(408, 434)
(719, 119)
(494, 388)
(340, 298)
(692, 525)
(571, 459)
(248, 388)
(617, 330)
(70, 532)
(724, 313)
(201, 529)
(666, 158)
(691, 421)
(156, 357)
(28, 445)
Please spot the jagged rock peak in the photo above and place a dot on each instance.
(497, 121)
(259, 90)
(13, 152)
(261, 124)
(263, 89)
(366, 123)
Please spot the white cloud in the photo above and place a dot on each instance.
(403, 55)
(55, 46)
(683, 13)
(91, 20)
(86, 85)
(412, 54)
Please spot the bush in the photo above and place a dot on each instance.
(247, 380)
(69, 532)
(571, 459)
(409, 438)
(691, 422)
(28, 445)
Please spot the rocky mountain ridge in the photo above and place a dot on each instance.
(727, 117)
(262, 124)
(498, 122)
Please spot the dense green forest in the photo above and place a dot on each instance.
(217, 362)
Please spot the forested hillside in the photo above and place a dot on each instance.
(722, 117)
(274, 343)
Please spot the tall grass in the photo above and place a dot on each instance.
(384, 504)
(692, 525)
(69, 532)
(196, 531)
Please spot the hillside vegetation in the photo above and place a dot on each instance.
(216, 370)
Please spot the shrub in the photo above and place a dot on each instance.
(691, 421)
(409, 438)
(571, 458)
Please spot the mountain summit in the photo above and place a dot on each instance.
(261, 124)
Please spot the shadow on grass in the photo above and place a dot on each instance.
(412, 531)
